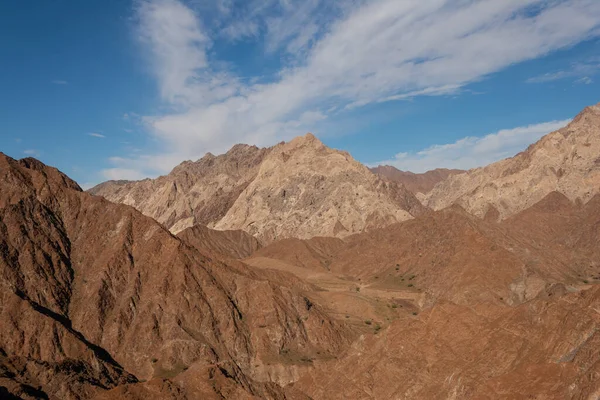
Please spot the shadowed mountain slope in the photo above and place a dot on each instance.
(96, 295)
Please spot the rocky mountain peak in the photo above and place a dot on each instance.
(299, 188)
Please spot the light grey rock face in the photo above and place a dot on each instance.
(298, 189)
(566, 161)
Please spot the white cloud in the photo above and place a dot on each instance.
(471, 152)
(32, 152)
(586, 80)
(122, 174)
(295, 27)
(59, 82)
(377, 50)
(581, 71)
(241, 29)
(97, 135)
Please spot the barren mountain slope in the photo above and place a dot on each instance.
(453, 255)
(199, 192)
(234, 244)
(455, 307)
(316, 253)
(297, 189)
(416, 183)
(567, 234)
(96, 295)
(567, 161)
(305, 189)
(548, 348)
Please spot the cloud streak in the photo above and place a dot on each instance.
(580, 71)
(472, 152)
(96, 135)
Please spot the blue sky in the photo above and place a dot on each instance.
(119, 89)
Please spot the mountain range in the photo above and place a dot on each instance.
(295, 272)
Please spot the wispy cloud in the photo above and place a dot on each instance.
(370, 51)
(586, 80)
(471, 152)
(122, 174)
(96, 135)
(59, 82)
(581, 72)
(32, 152)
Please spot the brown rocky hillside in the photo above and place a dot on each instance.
(97, 296)
(351, 288)
(100, 301)
(456, 307)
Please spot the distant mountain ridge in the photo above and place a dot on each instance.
(298, 189)
(304, 189)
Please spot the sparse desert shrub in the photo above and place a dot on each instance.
(368, 322)
(410, 285)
